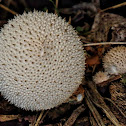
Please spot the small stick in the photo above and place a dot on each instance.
(44, 115)
(104, 43)
(57, 3)
(74, 115)
(39, 118)
(56, 7)
(69, 20)
(7, 9)
(113, 7)
(47, 10)
(93, 110)
(92, 120)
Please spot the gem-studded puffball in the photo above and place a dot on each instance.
(115, 60)
(42, 61)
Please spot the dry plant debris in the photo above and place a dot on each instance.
(93, 110)
(107, 29)
(74, 116)
(4, 118)
(118, 95)
(98, 100)
(82, 121)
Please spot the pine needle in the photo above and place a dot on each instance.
(104, 43)
(7, 9)
(113, 7)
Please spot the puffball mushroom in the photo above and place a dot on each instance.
(115, 60)
(42, 61)
(100, 77)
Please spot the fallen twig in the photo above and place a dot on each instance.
(57, 1)
(44, 115)
(92, 120)
(7, 9)
(74, 115)
(104, 43)
(113, 7)
(55, 6)
(93, 110)
(39, 118)
(69, 20)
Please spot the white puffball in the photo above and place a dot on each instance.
(42, 61)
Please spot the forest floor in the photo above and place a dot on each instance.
(101, 25)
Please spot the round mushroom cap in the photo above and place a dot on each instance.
(100, 77)
(114, 61)
(42, 61)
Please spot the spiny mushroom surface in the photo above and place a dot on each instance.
(100, 77)
(115, 60)
(42, 61)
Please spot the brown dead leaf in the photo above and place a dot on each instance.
(94, 60)
(108, 27)
(90, 49)
(101, 50)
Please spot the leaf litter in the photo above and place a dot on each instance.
(93, 109)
